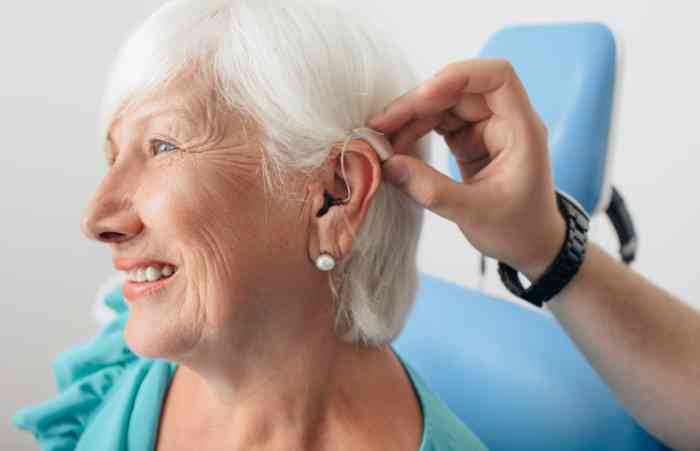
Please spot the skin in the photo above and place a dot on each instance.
(247, 316)
(640, 339)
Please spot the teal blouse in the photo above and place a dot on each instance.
(110, 399)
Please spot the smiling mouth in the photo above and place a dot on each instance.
(150, 273)
(147, 281)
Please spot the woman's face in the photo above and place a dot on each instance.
(184, 190)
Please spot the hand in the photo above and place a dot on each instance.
(506, 206)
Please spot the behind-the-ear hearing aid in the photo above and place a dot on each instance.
(377, 141)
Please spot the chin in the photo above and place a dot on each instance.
(154, 338)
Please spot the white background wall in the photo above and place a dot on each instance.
(53, 61)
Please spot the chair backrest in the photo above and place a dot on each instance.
(569, 71)
(511, 373)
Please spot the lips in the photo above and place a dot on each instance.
(144, 277)
(133, 291)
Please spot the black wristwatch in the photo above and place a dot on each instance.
(565, 265)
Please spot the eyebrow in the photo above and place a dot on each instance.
(183, 114)
(177, 112)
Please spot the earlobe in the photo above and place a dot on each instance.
(324, 227)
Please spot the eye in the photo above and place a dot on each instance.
(158, 147)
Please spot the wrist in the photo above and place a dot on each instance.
(550, 275)
(552, 242)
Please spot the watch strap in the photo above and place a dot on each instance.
(565, 265)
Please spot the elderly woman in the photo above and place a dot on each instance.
(267, 267)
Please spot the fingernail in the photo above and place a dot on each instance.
(395, 172)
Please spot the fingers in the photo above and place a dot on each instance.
(472, 89)
(493, 79)
(404, 141)
(469, 149)
(449, 124)
(478, 144)
(471, 108)
(428, 187)
(474, 145)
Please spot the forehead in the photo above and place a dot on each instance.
(185, 101)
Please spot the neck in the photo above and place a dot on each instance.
(289, 392)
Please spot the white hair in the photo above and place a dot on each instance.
(306, 73)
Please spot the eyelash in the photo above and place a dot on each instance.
(156, 143)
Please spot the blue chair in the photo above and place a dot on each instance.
(511, 373)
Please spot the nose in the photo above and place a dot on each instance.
(110, 218)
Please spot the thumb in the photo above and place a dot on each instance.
(427, 186)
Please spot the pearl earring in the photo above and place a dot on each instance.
(325, 262)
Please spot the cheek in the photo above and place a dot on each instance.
(212, 223)
(195, 206)
(229, 245)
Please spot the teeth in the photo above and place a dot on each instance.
(150, 273)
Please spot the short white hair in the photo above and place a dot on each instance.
(305, 73)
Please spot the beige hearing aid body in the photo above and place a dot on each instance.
(379, 143)
(377, 140)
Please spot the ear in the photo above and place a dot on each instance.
(335, 231)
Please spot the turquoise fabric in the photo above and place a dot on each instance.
(110, 399)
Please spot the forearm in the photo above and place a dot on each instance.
(641, 340)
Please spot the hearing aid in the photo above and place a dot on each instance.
(377, 140)
(381, 146)
(328, 202)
